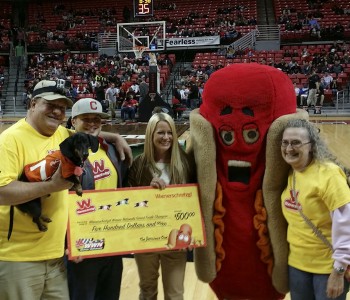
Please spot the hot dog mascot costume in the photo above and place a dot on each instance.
(235, 139)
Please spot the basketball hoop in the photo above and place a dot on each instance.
(138, 51)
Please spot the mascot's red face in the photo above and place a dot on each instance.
(241, 101)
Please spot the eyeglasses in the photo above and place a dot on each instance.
(294, 144)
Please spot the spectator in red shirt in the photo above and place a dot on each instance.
(129, 107)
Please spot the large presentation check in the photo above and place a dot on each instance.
(144, 219)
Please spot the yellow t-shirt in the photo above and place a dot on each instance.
(20, 145)
(321, 188)
(105, 175)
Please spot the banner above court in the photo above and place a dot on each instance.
(193, 42)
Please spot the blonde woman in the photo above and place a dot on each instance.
(163, 162)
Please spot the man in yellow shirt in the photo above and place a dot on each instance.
(31, 261)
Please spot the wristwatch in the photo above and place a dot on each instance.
(339, 270)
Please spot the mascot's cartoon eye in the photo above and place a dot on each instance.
(181, 236)
(186, 238)
(227, 136)
(250, 135)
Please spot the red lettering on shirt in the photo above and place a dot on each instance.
(99, 170)
(290, 203)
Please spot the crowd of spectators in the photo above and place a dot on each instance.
(329, 31)
(5, 26)
(224, 23)
(5, 35)
(90, 75)
(330, 62)
(73, 29)
(322, 19)
(72, 32)
(328, 59)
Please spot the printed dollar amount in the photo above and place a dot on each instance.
(184, 215)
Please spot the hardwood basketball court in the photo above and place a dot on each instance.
(335, 131)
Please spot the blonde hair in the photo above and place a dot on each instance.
(179, 168)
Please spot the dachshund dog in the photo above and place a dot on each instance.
(72, 154)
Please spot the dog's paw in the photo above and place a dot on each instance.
(42, 227)
(46, 219)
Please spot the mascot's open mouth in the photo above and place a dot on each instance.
(239, 171)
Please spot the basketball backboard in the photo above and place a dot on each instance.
(150, 35)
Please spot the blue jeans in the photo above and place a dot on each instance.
(128, 112)
(310, 286)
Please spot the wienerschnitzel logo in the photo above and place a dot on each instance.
(85, 206)
(290, 203)
(99, 170)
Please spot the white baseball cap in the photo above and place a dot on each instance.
(51, 90)
(88, 106)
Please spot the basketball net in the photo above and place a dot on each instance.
(138, 51)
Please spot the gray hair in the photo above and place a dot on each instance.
(320, 151)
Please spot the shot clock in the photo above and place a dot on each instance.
(143, 8)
